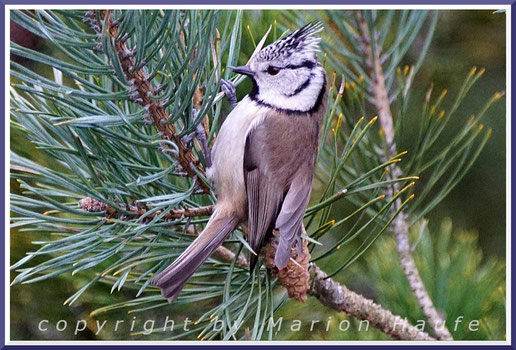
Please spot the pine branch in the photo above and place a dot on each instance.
(334, 295)
(400, 225)
(329, 292)
(245, 294)
(142, 89)
(340, 298)
(93, 205)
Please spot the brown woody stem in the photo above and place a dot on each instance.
(400, 227)
(340, 298)
(93, 205)
(142, 91)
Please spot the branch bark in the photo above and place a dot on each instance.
(93, 205)
(301, 277)
(340, 298)
(400, 227)
(140, 91)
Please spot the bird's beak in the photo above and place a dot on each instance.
(245, 70)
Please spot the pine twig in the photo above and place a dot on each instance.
(329, 292)
(142, 90)
(93, 205)
(400, 226)
(222, 253)
(340, 298)
(227, 255)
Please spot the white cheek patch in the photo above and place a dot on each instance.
(289, 98)
(304, 78)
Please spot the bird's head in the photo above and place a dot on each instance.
(286, 74)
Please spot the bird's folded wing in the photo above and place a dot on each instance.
(278, 183)
(263, 195)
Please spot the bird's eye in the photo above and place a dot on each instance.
(272, 70)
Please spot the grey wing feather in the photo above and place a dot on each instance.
(263, 196)
(290, 220)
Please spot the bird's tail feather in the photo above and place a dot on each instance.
(174, 277)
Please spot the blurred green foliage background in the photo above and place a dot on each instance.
(466, 231)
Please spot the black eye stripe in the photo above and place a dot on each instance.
(304, 64)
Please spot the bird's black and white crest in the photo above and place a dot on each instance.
(286, 73)
(302, 43)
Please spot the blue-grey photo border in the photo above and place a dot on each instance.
(294, 345)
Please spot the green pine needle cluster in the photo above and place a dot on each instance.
(134, 144)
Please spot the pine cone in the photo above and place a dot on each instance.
(295, 276)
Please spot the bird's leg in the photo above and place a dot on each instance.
(229, 90)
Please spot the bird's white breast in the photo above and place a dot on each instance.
(227, 171)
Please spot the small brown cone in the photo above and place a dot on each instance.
(295, 276)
